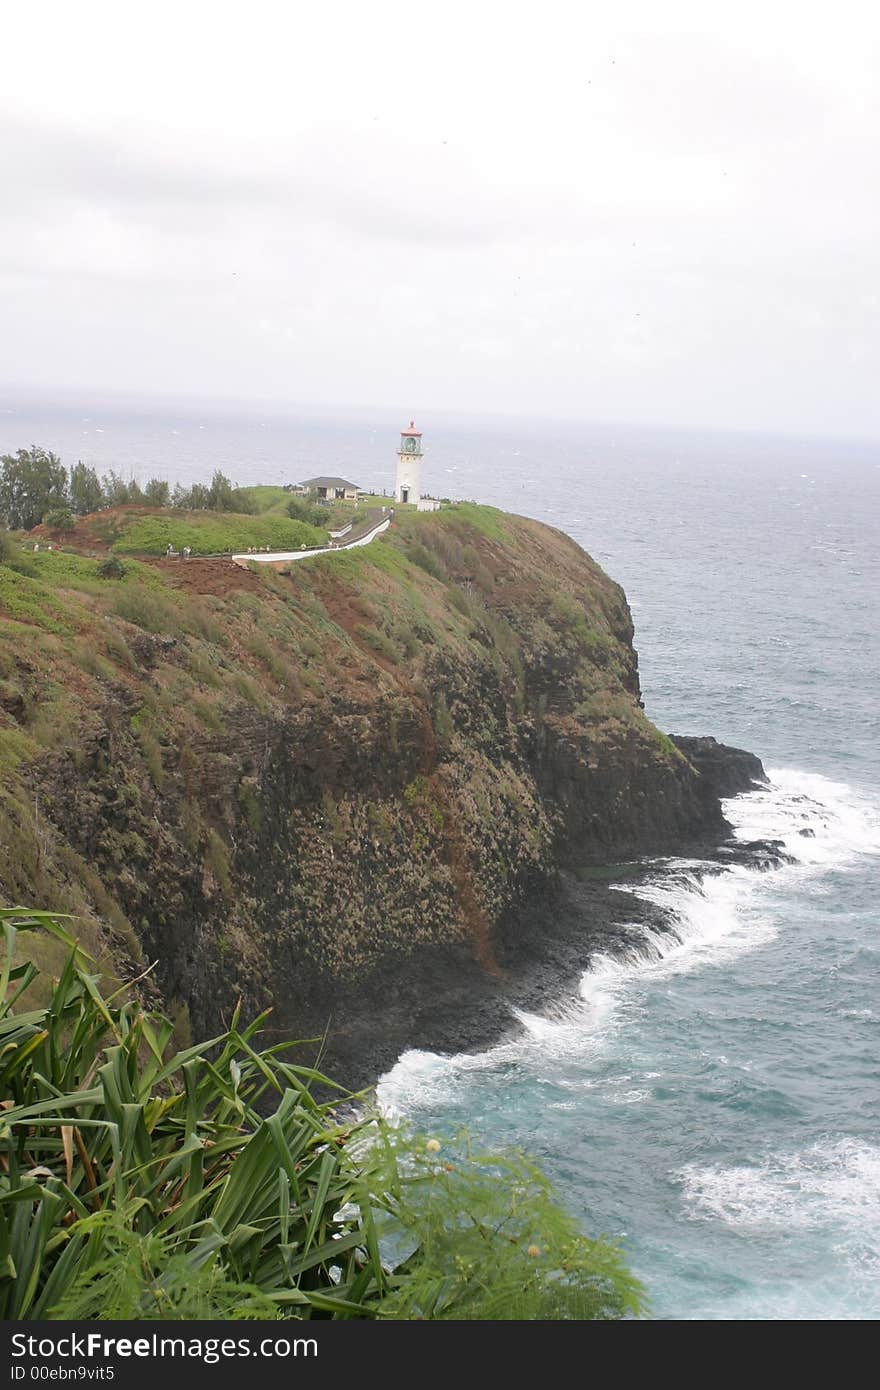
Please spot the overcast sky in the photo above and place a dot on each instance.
(649, 212)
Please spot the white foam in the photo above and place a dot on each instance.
(716, 917)
(419, 1077)
(712, 917)
(845, 825)
(834, 1183)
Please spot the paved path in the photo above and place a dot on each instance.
(362, 537)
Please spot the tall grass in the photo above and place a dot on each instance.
(140, 1182)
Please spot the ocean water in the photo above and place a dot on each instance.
(712, 1101)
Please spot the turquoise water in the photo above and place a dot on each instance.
(713, 1100)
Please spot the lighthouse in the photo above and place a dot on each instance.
(409, 466)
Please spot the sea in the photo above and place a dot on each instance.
(712, 1099)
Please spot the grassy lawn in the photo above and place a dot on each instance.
(267, 498)
(375, 499)
(211, 533)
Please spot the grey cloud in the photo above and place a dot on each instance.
(319, 178)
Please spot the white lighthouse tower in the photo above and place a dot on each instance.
(409, 466)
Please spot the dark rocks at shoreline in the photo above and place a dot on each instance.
(445, 1001)
(725, 771)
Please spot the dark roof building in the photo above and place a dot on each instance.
(331, 488)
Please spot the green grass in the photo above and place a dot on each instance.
(65, 570)
(667, 747)
(265, 497)
(15, 748)
(489, 521)
(151, 611)
(212, 533)
(351, 564)
(27, 600)
(375, 499)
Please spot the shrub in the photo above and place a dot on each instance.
(140, 1182)
(380, 642)
(423, 557)
(59, 519)
(299, 509)
(110, 568)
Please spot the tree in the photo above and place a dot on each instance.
(32, 481)
(243, 502)
(156, 493)
(221, 494)
(119, 493)
(115, 489)
(86, 493)
(194, 499)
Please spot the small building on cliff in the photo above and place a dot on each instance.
(331, 489)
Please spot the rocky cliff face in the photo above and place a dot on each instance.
(340, 792)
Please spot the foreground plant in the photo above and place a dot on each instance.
(137, 1182)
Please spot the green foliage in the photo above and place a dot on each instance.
(137, 1181)
(157, 493)
(111, 567)
(301, 509)
(140, 1277)
(213, 534)
(59, 519)
(105, 1127)
(27, 600)
(15, 748)
(85, 491)
(151, 611)
(416, 790)
(121, 493)
(249, 801)
(65, 569)
(379, 642)
(489, 521)
(220, 496)
(32, 482)
(572, 614)
(666, 746)
(263, 497)
(490, 1241)
(425, 560)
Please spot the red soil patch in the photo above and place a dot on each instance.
(202, 575)
(94, 534)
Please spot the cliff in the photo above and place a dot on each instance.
(351, 792)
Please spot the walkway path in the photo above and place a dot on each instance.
(371, 529)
